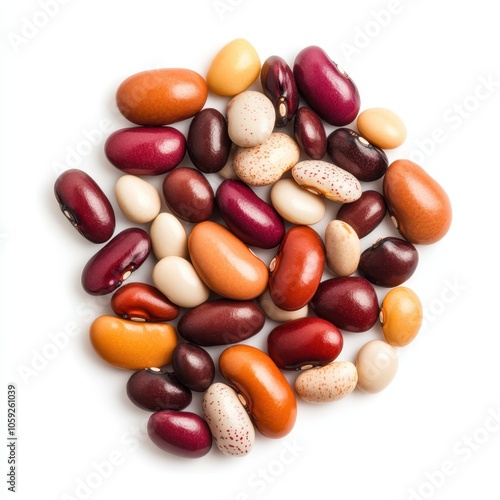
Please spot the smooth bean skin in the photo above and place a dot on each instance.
(155, 389)
(347, 149)
(381, 127)
(389, 262)
(221, 322)
(161, 96)
(364, 214)
(193, 366)
(326, 88)
(310, 133)
(132, 345)
(268, 396)
(342, 248)
(225, 263)
(297, 268)
(377, 364)
(145, 150)
(85, 205)
(248, 216)
(418, 205)
(277, 314)
(208, 142)
(143, 302)
(350, 303)
(304, 342)
(188, 194)
(278, 84)
(181, 433)
(114, 262)
(137, 198)
(168, 236)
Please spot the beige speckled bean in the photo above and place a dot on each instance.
(138, 200)
(377, 364)
(168, 236)
(343, 248)
(277, 314)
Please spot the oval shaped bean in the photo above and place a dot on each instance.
(145, 150)
(297, 268)
(193, 366)
(181, 433)
(188, 194)
(85, 205)
(142, 302)
(382, 127)
(327, 383)
(221, 321)
(138, 200)
(326, 87)
(248, 216)
(377, 364)
(267, 395)
(116, 261)
(161, 96)
(310, 133)
(168, 236)
(342, 248)
(304, 343)
(225, 263)
(277, 314)
(132, 345)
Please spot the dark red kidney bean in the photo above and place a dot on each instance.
(304, 342)
(278, 84)
(143, 302)
(389, 262)
(310, 133)
(248, 216)
(348, 150)
(193, 366)
(325, 87)
(188, 194)
(364, 214)
(297, 268)
(350, 303)
(157, 389)
(221, 322)
(145, 150)
(208, 143)
(181, 433)
(85, 205)
(115, 261)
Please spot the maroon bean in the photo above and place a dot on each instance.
(208, 143)
(193, 366)
(248, 216)
(348, 150)
(145, 150)
(157, 389)
(350, 303)
(85, 205)
(304, 342)
(188, 194)
(114, 262)
(181, 433)
(310, 133)
(389, 262)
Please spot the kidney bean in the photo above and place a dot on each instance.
(278, 84)
(114, 262)
(193, 366)
(304, 343)
(85, 205)
(350, 303)
(325, 87)
(310, 133)
(347, 149)
(157, 389)
(145, 150)
(297, 268)
(382, 127)
(277, 314)
(388, 262)
(168, 236)
(138, 199)
(182, 433)
(377, 364)
(248, 216)
(188, 194)
(267, 395)
(342, 248)
(208, 142)
(221, 321)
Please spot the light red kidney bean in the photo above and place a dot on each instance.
(193, 366)
(85, 205)
(310, 133)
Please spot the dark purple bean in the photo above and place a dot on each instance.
(193, 366)
(248, 216)
(389, 262)
(145, 150)
(157, 389)
(348, 150)
(310, 133)
(85, 205)
(114, 262)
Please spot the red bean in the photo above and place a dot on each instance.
(193, 366)
(310, 133)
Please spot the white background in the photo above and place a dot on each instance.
(431, 433)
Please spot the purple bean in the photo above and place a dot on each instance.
(310, 133)
(193, 366)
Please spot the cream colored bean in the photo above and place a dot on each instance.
(382, 127)
(168, 236)
(377, 364)
(343, 248)
(139, 200)
(277, 314)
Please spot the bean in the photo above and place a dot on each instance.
(382, 127)
(193, 366)
(277, 314)
(310, 133)
(168, 236)
(138, 200)
(342, 248)
(377, 364)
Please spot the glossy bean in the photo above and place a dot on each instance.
(168, 236)
(138, 199)
(310, 133)
(342, 247)
(377, 364)
(276, 313)
(382, 127)
(193, 366)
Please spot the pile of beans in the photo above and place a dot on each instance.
(208, 279)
